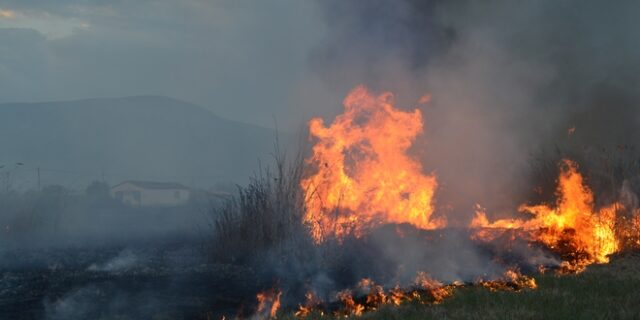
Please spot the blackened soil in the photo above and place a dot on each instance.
(169, 280)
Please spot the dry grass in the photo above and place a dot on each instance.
(266, 216)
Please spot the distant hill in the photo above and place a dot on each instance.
(146, 137)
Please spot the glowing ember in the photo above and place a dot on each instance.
(364, 176)
(572, 227)
(425, 99)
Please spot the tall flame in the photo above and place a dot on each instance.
(364, 176)
(572, 225)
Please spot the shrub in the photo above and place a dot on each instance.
(265, 217)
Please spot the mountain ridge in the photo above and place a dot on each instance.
(140, 136)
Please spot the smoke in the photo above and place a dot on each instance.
(102, 302)
(126, 259)
(508, 80)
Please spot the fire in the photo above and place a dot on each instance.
(397, 296)
(364, 176)
(268, 303)
(481, 221)
(350, 306)
(636, 229)
(512, 280)
(312, 303)
(572, 226)
(369, 296)
(376, 295)
(436, 289)
(632, 232)
(372, 296)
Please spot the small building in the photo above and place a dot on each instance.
(151, 194)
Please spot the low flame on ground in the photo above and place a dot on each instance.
(364, 177)
(268, 304)
(350, 306)
(369, 296)
(311, 304)
(512, 280)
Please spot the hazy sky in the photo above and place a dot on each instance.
(508, 79)
(246, 60)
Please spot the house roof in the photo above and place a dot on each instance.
(154, 185)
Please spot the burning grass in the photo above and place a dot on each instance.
(370, 297)
(571, 227)
(364, 177)
(353, 231)
(601, 292)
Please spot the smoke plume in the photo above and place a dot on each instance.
(508, 81)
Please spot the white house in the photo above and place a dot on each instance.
(151, 194)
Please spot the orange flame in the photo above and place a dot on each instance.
(364, 177)
(350, 306)
(426, 290)
(269, 301)
(376, 295)
(436, 289)
(572, 226)
(312, 302)
(512, 280)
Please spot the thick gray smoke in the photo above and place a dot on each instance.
(508, 80)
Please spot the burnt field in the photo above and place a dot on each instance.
(175, 280)
(153, 280)
(178, 279)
